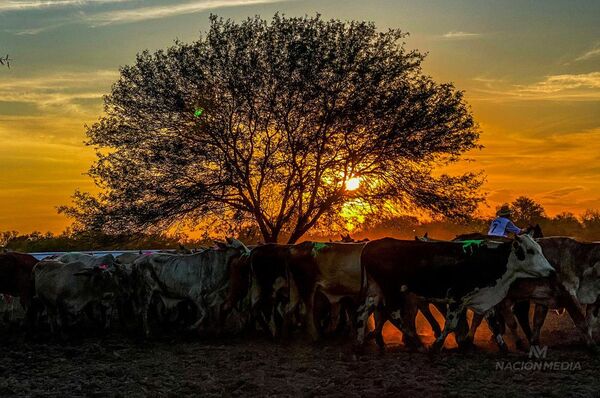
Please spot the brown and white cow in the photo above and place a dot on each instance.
(288, 278)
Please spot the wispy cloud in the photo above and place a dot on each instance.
(460, 35)
(19, 5)
(565, 87)
(62, 92)
(130, 11)
(562, 192)
(582, 85)
(164, 11)
(594, 52)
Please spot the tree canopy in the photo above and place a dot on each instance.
(264, 123)
(527, 211)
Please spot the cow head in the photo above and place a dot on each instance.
(527, 260)
(589, 287)
(236, 244)
(104, 277)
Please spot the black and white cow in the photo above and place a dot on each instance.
(464, 275)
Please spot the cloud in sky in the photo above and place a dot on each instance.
(168, 10)
(460, 35)
(564, 87)
(124, 14)
(61, 91)
(19, 5)
(582, 86)
(594, 52)
(562, 192)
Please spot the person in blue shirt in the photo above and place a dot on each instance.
(502, 225)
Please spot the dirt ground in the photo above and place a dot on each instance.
(253, 366)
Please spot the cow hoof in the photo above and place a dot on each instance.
(521, 346)
(593, 349)
(503, 348)
(466, 346)
(358, 349)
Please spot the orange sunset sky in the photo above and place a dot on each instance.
(530, 70)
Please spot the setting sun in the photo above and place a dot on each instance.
(353, 183)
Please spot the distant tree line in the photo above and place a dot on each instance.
(93, 240)
(526, 212)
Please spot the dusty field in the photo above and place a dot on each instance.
(253, 366)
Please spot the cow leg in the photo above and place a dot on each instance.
(203, 314)
(362, 317)
(539, 316)
(591, 314)
(334, 316)
(410, 308)
(511, 322)
(409, 336)
(495, 321)
(452, 318)
(52, 322)
(379, 319)
(462, 331)
(310, 316)
(521, 311)
(577, 315)
(144, 312)
(475, 322)
(373, 301)
(259, 316)
(435, 326)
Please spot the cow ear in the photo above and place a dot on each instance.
(516, 244)
(220, 245)
(517, 238)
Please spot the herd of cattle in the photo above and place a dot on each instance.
(323, 288)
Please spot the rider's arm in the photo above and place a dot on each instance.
(512, 228)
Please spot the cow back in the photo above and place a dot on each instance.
(434, 269)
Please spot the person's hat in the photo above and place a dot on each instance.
(504, 211)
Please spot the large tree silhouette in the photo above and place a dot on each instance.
(265, 123)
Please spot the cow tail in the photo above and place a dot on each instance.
(363, 282)
(34, 305)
